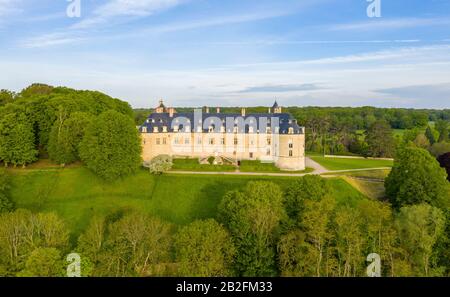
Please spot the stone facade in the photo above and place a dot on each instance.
(270, 137)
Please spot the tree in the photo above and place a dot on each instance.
(416, 178)
(442, 128)
(440, 148)
(296, 255)
(16, 140)
(430, 135)
(5, 202)
(315, 221)
(444, 162)
(380, 139)
(349, 241)
(36, 89)
(204, 249)
(422, 141)
(111, 147)
(6, 97)
(66, 136)
(377, 226)
(312, 187)
(253, 217)
(44, 262)
(136, 245)
(160, 164)
(420, 227)
(22, 232)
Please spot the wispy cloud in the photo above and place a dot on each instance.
(51, 39)
(81, 33)
(126, 8)
(383, 24)
(282, 88)
(9, 7)
(430, 92)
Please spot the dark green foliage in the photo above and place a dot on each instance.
(253, 217)
(442, 127)
(111, 147)
(444, 162)
(380, 140)
(44, 262)
(5, 202)
(417, 178)
(6, 97)
(204, 249)
(16, 140)
(66, 136)
(430, 136)
(28, 119)
(312, 187)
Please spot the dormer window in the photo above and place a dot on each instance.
(144, 129)
(235, 130)
(175, 128)
(222, 129)
(153, 120)
(250, 129)
(210, 129)
(187, 129)
(155, 129)
(164, 129)
(291, 130)
(199, 129)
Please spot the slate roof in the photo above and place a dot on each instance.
(161, 120)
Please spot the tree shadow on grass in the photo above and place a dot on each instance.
(208, 199)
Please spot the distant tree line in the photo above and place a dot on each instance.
(366, 131)
(260, 230)
(67, 126)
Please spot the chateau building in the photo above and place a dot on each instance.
(269, 137)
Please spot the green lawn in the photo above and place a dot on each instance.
(194, 165)
(348, 163)
(258, 166)
(76, 194)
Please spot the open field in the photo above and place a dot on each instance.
(347, 164)
(77, 194)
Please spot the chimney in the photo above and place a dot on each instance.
(269, 110)
(207, 109)
(243, 112)
(218, 109)
(171, 111)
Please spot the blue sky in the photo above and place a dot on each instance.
(233, 52)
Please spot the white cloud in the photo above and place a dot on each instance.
(9, 7)
(383, 24)
(350, 82)
(126, 8)
(51, 39)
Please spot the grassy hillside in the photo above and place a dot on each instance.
(348, 164)
(76, 194)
